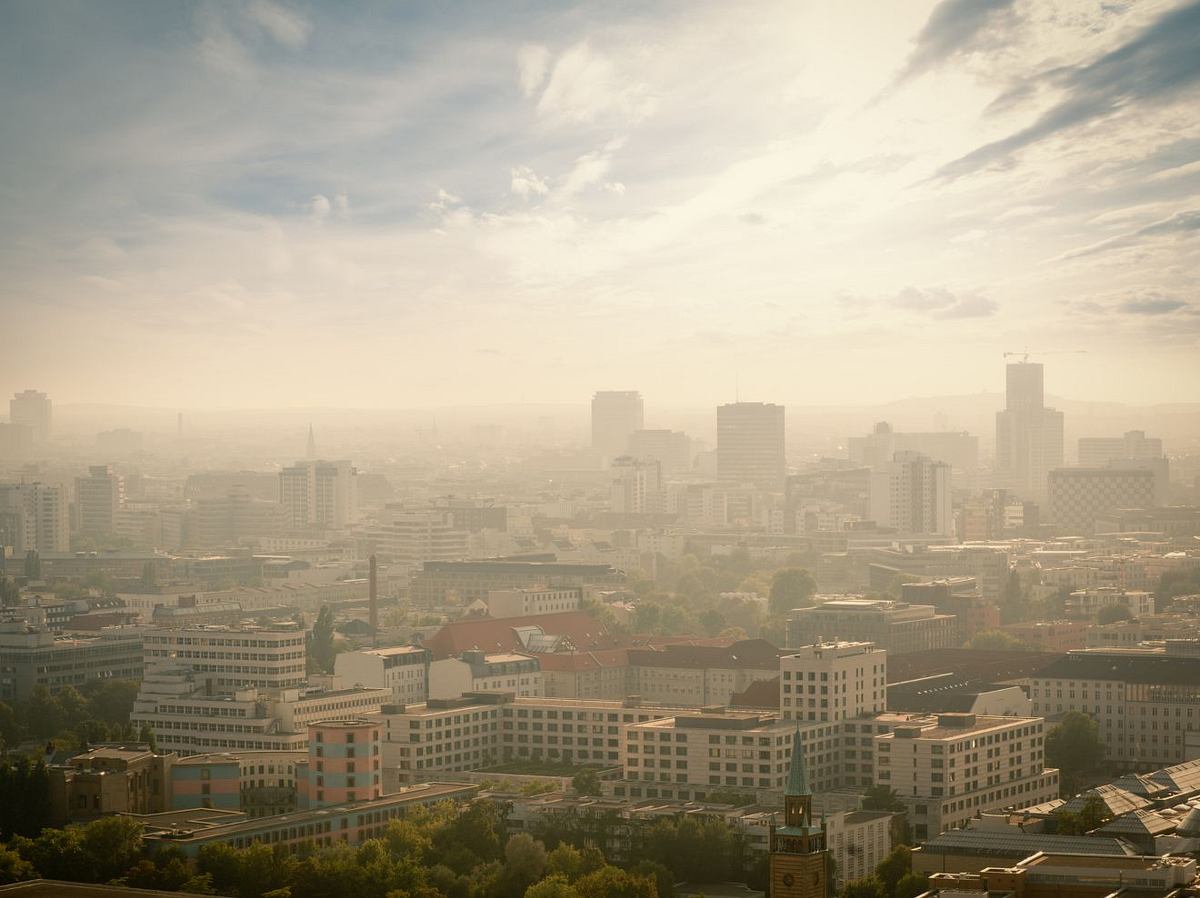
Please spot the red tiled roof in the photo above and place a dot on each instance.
(491, 634)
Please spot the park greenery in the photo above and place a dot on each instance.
(98, 711)
(1073, 745)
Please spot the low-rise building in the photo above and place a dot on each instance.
(1087, 603)
(404, 669)
(603, 673)
(257, 783)
(896, 627)
(700, 675)
(35, 656)
(959, 765)
(477, 671)
(110, 779)
(522, 602)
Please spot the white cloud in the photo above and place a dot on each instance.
(585, 86)
(286, 26)
(319, 208)
(525, 183)
(533, 61)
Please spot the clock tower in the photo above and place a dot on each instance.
(799, 857)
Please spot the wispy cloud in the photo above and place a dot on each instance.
(1180, 224)
(956, 28)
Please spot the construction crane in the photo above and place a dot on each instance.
(1024, 356)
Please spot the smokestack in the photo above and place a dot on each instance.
(373, 602)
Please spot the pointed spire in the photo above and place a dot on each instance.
(311, 452)
(797, 783)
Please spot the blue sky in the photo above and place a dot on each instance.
(376, 204)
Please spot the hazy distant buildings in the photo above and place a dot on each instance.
(119, 442)
(1097, 452)
(1079, 495)
(959, 450)
(33, 409)
(911, 493)
(672, 448)
(616, 414)
(318, 494)
(16, 441)
(414, 537)
(750, 444)
(896, 627)
(228, 520)
(1029, 436)
(637, 486)
(98, 499)
(34, 517)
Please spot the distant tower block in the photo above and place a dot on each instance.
(311, 450)
(373, 599)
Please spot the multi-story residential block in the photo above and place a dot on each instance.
(948, 771)
(1131, 634)
(404, 669)
(414, 537)
(911, 493)
(832, 681)
(35, 656)
(35, 517)
(637, 486)
(477, 671)
(525, 602)
(1087, 603)
(1145, 701)
(228, 520)
(700, 676)
(733, 750)
(750, 444)
(1079, 495)
(896, 627)
(33, 410)
(98, 499)
(224, 659)
(257, 783)
(344, 763)
(616, 414)
(319, 494)
(1029, 436)
(959, 450)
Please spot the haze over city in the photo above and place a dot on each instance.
(612, 450)
(278, 205)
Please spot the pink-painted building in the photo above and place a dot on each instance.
(344, 763)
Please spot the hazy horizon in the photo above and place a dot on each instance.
(278, 204)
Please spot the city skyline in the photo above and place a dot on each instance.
(224, 196)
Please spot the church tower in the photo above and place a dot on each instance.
(799, 858)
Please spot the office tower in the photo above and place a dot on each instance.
(637, 486)
(615, 415)
(671, 447)
(34, 410)
(1097, 452)
(98, 498)
(799, 858)
(911, 494)
(1029, 436)
(750, 445)
(958, 449)
(34, 517)
(316, 493)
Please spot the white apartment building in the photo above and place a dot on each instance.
(1145, 701)
(186, 718)
(949, 770)
(728, 751)
(36, 516)
(318, 493)
(833, 681)
(402, 669)
(1087, 603)
(637, 486)
(535, 600)
(912, 494)
(225, 659)
(477, 671)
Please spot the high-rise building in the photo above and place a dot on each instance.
(34, 517)
(637, 486)
(671, 447)
(1029, 436)
(98, 498)
(616, 414)
(958, 449)
(750, 444)
(799, 857)
(911, 493)
(318, 493)
(1097, 452)
(34, 410)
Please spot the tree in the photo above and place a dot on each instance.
(321, 649)
(111, 845)
(996, 640)
(146, 734)
(1113, 613)
(43, 716)
(910, 886)
(553, 886)
(566, 861)
(13, 867)
(664, 879)
(882, 798)
(611, 882)
(863, 888)
(1093, 814)
(586, 782)
(1074, 747)
(524, 864)
(893, 867)
(791, 588)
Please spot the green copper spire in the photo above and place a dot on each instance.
(797, 783)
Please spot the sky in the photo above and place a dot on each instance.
(399, 205)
